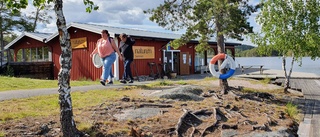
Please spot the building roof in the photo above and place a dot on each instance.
(35, 35)
(113, 31)
(116, 31)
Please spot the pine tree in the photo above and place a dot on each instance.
(204, 19)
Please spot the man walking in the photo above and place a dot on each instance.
(125, 48)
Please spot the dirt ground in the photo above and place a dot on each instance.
(240, 114)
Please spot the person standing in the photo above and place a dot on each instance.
(125, 48)
(106, 49)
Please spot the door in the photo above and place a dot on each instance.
(171, 60)
(184, 63)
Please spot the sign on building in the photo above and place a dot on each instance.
(78, 43)
(143, 52)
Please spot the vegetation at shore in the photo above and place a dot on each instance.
(252, 51)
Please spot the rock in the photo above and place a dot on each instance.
(44, 129)
(272, 121)
(137, 113)
(184, 93)
(262, 127)
(281, 132)
(125, 99)
(227, 126)
(235, 108)
(229, 133)
(246, 122)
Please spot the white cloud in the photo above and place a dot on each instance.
(118, 13)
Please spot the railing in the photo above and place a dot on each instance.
(243, 68)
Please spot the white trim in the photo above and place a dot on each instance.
(116, 63)
(31, 35)
(171, 50)
(172, 62)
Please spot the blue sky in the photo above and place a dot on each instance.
(118, 13)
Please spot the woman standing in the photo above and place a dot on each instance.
(106, 49)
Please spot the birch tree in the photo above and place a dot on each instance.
(290, 26)
(204, 19)
(68, 125)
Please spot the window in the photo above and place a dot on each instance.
(34, 54)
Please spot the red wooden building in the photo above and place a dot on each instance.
(150, 48)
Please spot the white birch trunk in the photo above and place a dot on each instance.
(68, 126)
(286, 75)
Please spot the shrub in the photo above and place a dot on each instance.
(292, 110)
(9, 71)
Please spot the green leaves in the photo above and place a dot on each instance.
(90, 6)
(16, 5)
(289, 27)
(200, 17)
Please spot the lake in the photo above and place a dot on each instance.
(275, 63)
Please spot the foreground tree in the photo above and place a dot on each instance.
(204, 19)
(290, 26)
(68, 126)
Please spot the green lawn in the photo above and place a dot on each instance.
(13, 83)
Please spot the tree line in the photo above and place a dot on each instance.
(14, 20)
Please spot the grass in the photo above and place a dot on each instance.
(13, 83)
(48, 105)
(266, 80)
(273, 91)
(210, 78)
(292, 110)
(161, 83)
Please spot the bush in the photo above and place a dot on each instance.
(292, 110)
(9, 71)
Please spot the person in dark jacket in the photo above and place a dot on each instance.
(125, 48)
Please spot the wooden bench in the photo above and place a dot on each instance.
(252, 66)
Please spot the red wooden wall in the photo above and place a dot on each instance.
(82, 67)
(26, 42)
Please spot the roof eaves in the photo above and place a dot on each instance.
(34, 36)
(14, 41)
(31, 35)
(76, 25)
(55, 34)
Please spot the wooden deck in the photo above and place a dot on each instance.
(310, 126)
(308, 84)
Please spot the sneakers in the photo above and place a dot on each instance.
(131, 81)
(103, 82)
(123, 81)
(110, 82)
